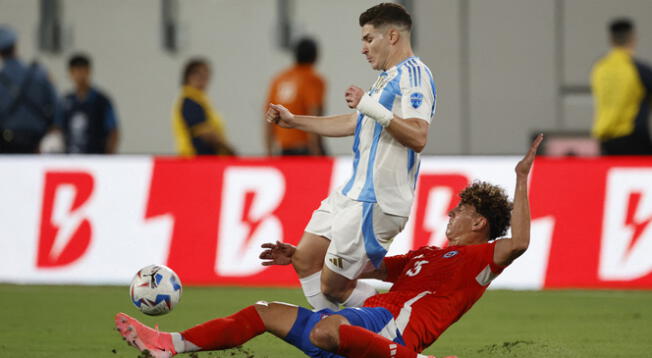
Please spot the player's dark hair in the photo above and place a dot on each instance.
(8, 51)
(621, 31)
(306, 51)
(79, 60)
(191, 67)
(492, 203)
(385, 14)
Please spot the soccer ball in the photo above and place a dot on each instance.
(155, 290)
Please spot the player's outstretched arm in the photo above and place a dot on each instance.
(507, 250)
(334, 126)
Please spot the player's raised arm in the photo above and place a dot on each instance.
(507, 250)
(334, 126)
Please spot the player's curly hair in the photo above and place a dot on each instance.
(491, 202)
(386, 13)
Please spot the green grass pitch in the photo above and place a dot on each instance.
(77, 321)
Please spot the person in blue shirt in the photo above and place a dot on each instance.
(28, 100)
(87, 120)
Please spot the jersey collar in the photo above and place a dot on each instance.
(393, 68)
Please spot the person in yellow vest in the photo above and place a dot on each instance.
(622, 92)
(198, 128)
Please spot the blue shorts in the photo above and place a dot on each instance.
(371, 318)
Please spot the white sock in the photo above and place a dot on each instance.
(312, 290)
(181, 345)
(360, 293)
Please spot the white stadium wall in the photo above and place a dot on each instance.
(96, 220)
(501, 66)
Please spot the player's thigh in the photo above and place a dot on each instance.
(277, 317)
(310, 253)
(309, 256)
(360, 236)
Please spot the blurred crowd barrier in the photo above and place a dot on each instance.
(96, 220)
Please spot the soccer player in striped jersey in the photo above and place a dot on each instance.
(353, 228)
(433, 288)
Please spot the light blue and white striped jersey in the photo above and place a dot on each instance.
(384, 170)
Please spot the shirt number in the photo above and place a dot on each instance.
(417, 268)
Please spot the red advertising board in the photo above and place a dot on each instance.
(96, 221)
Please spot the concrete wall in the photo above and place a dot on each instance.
(501, 66)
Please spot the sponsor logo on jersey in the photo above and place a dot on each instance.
(450, 254)
(416, 99)
(337, 261)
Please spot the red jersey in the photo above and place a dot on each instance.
(433, 288)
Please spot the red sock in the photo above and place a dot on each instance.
(360, 343)
(227, 332)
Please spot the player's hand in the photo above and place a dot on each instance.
(280, 115)
(278, 253)
(523, 167)
(352, 96)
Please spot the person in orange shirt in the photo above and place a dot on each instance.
(300, 89)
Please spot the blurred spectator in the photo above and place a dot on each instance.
(622, 88)
(27, 99)
(198, 128)
(301, 90)
(87, 120)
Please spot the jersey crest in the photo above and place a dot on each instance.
(416, 99)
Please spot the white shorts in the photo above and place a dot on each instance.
(360, 233)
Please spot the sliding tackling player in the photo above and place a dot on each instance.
(433, 288)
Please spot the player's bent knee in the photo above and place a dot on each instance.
(333, 293)
(337, 293)
(325, 334)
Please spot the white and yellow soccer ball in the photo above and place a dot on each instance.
(155, 290)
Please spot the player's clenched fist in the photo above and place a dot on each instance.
(353, 95)
(280, 115)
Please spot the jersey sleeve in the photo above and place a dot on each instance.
(418, 93)
(489, 258)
